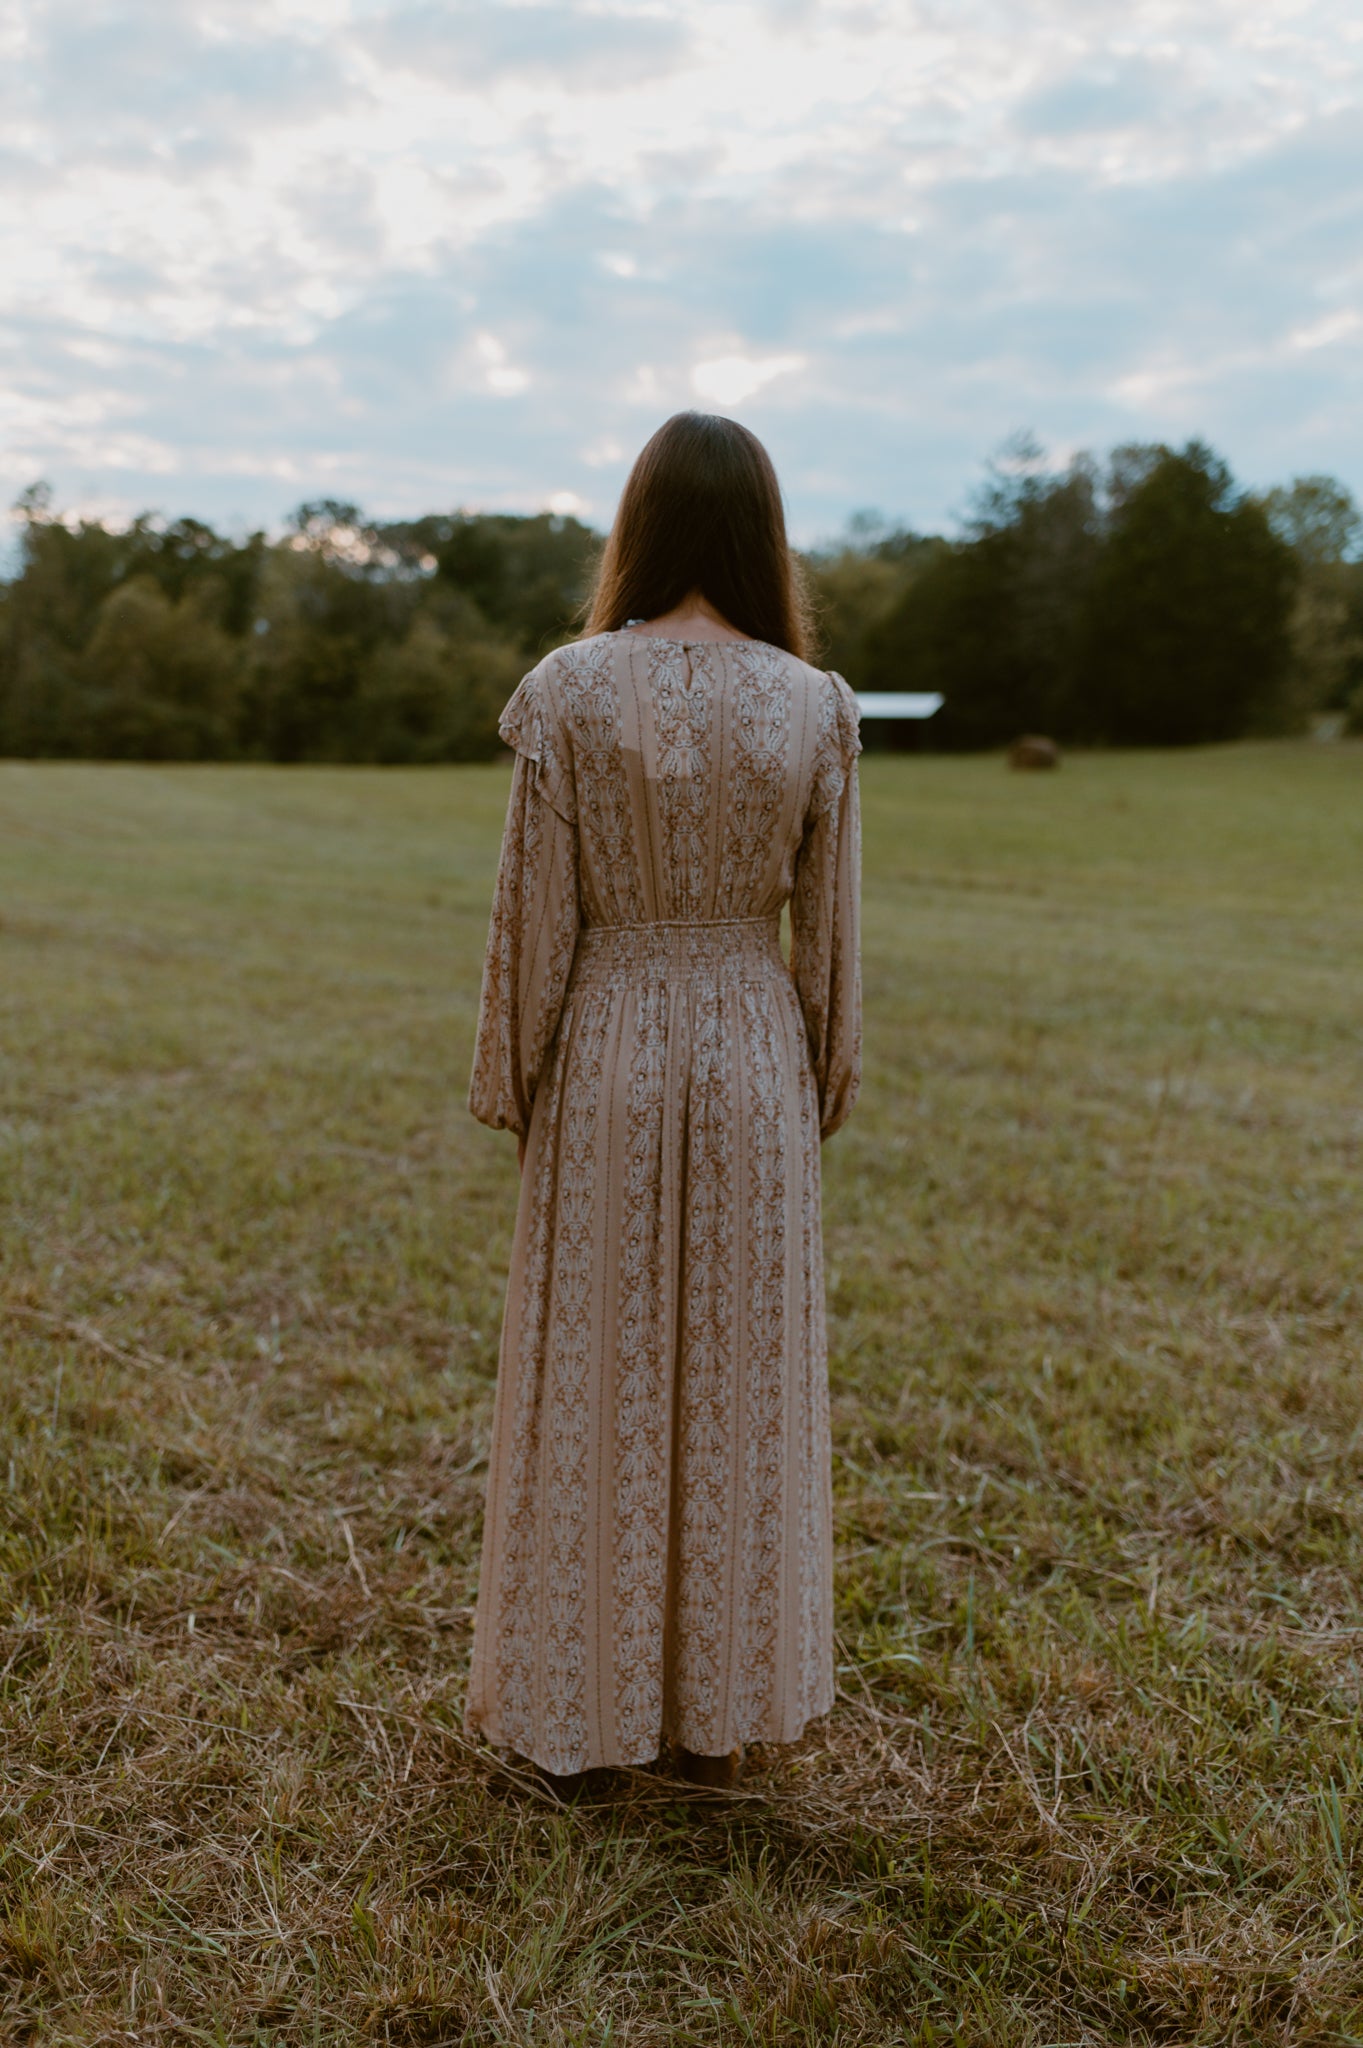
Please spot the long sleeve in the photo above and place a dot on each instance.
(825, 914)
(533, 929)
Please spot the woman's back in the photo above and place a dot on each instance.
(689, 766)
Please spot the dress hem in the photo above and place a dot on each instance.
(482, 1725)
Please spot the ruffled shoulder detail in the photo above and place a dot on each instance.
(837, 745)
(532, 725)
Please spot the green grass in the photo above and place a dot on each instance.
(1095, 1245)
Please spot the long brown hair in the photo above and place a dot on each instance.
(701, 511)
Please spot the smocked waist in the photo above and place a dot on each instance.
(671, 948)
(689, 924)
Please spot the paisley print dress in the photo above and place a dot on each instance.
(657, 1554)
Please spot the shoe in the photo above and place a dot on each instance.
(719, 1773)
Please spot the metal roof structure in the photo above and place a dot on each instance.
(899, 703)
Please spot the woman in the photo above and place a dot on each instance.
(657, 1558)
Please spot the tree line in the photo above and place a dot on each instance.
(344, 640)
(1144, 601)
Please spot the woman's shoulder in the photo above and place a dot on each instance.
(821, 682)
(587, 656)
(837, 714)
(532, 724)
(551, 700)
(829, 713)
(539, 685)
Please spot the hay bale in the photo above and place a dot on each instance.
(1033, 750)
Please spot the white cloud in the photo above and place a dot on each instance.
(644, 387)
(255, 246)
(1327, 331)
(502, 378)
(729, 380)
(601, 454)
(1159, 386)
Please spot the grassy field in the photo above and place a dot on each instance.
(1095, 1244)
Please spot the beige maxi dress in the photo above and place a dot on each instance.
(657, 1556)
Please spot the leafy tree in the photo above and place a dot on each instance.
(188, 556)
(434, 695)
(51, 606)
(323, 610)
(953, 631)
(161, 678)
(1320, 522)
(66, 572)
(992, 621)
(1185, 624)
(528, 576)
(1049, 527)
(856, 582)
(1317, 517)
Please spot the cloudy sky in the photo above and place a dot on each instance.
(424, 252)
